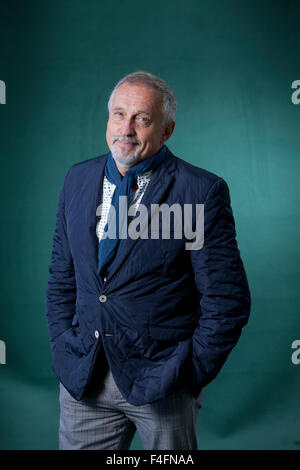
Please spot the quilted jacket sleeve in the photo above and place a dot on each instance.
(61, 288)
(222, 284)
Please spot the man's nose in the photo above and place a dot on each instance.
(127, 127)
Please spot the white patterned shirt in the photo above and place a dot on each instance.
(107, 194)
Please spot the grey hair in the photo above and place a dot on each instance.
(169, 102)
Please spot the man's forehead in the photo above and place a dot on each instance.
(136, 93)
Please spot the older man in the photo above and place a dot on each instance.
(140, 322)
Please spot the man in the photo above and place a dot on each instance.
(140, 324)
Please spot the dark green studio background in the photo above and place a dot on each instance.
(231, 65)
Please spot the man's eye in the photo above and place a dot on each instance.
(143, 119)
(118, 114)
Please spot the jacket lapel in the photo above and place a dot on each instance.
(94, 199)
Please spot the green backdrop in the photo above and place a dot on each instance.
(231, 65)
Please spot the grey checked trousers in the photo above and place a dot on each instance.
(104, 420)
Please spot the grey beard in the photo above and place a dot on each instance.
(125, 162)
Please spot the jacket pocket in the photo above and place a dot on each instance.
(170, 334)
(71, 340)
(158, 350)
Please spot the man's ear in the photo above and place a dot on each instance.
(168, 132)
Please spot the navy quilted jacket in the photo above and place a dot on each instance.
(165, 314)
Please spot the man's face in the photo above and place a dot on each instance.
(135, 128)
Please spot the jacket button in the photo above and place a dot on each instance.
(96, 334)
(103, 298)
